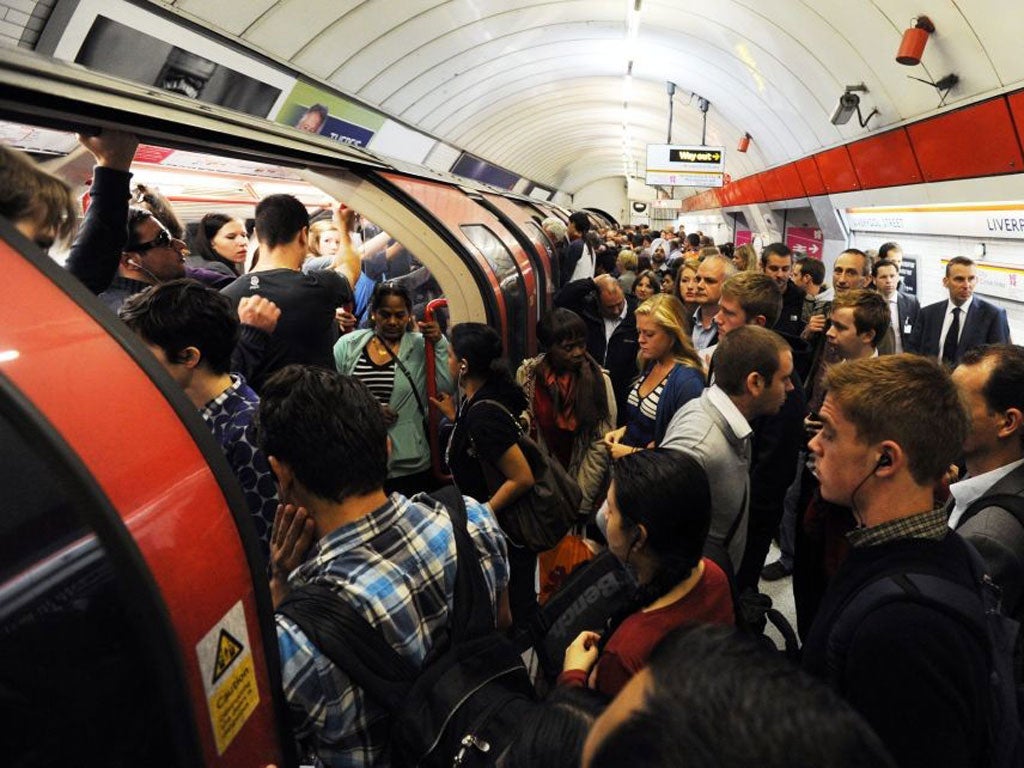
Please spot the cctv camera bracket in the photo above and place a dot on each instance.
(943, 85)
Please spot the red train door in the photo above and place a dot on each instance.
(135, 615)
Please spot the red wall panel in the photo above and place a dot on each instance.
(789, 180)
(809, 176)
(770, 184)
(978, 140)
(836, 170)
(1016, 101)
(885, 160)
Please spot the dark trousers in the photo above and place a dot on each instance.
(522, 593)
(761, 527)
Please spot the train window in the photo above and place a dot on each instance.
(76, 685)
(384, 258)
(510, 281)
(540, 237)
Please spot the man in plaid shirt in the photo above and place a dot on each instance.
(391, 558)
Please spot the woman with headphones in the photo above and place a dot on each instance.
(659, 511)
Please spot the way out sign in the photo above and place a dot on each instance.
(229, 676)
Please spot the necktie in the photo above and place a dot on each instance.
(952, 338)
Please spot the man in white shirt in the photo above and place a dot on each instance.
(991, 382)
(711, 274)
(860, 320)
(947, 329)
(903, 308)
(753, 370)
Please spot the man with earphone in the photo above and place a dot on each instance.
(890, 641)
(150, 256)
(860, 320)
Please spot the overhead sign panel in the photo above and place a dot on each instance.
(678, 165)
(981, 220)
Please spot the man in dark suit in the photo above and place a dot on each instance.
(903, 308)
(947, 329)
(991, 382)
(777, 263)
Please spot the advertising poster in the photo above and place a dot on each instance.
(316, 110)
(127, 41)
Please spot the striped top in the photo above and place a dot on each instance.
(642, 413)
(648, 404)
(379, 379)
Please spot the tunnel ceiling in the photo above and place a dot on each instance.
(541, 86)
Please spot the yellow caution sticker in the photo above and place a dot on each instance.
(229, 676)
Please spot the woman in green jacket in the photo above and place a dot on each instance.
(391, 360)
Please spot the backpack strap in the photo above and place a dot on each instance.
(351, 642)
(955, 600)
(472, 614)
(499, 405)
(356, 647)
(1008, 502)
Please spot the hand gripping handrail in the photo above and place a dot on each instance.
(434, 417)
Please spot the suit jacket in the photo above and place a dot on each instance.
(999, 538)
(907, 310)
(985, 324)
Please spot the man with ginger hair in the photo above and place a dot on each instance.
(917, 672)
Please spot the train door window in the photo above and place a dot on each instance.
(77, 685)
(509, 280)
(540, 239)
(386, 259)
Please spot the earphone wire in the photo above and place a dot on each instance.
(853, 496)
(143, 269)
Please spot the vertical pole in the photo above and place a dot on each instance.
(670, 88)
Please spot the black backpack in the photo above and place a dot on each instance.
(586, 600)
(463, 706)
(979, 612)
(754, 610)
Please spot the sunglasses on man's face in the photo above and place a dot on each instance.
(160, 241)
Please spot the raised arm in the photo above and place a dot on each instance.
(96, 250)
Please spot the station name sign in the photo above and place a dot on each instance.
(975, 220)
(676, 165)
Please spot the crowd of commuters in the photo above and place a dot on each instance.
(704, 399)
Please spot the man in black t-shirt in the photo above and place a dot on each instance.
(312, 305)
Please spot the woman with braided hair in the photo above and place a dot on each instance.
(659, 510)
(570, 402)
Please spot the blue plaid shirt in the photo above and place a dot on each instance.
(230, 417)
(396, 566)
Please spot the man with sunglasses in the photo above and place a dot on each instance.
(150, 256)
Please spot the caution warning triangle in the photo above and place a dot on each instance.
(228, 649)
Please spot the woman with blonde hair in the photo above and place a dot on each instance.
(745, 258)
(671, 374)
(331, 247)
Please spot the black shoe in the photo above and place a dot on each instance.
(775, 571)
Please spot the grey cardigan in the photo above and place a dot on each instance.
(700, 429)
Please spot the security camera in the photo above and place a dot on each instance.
(844, 110)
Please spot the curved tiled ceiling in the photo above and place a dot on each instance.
(539, 86)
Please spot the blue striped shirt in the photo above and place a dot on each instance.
(396, 566)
